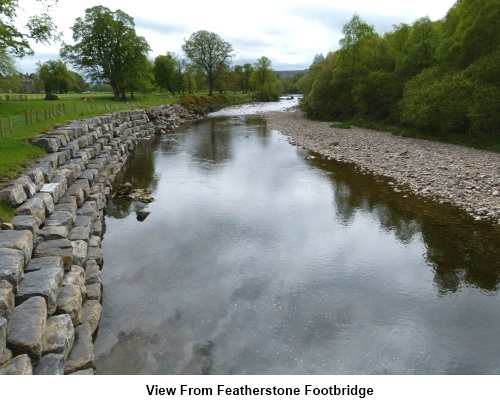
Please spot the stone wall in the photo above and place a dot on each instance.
(50, 253)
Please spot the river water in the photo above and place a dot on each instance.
(259, 257)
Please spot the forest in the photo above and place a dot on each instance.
(438, 76)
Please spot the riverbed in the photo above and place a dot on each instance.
(260, 257)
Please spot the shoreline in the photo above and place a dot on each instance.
(450, 174)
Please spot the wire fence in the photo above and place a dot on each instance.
(84, 108)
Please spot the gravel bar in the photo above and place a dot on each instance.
(451, 174)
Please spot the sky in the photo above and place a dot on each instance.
(288, 32)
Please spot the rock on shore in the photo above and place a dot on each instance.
(465, 177)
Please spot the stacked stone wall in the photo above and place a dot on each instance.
(50, 253)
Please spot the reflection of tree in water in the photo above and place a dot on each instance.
(140, 172)
(213, 143)
(459, 250)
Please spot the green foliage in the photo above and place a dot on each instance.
(39, 28)
(55, 76)
(210, 53)
(264, 82)
(434, 75)
(107, 49)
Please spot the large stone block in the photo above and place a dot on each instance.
(93, 273)
(5, 357)
(94, 292)
(46, 168)
(51, 364)
(36, 176)
(70, 302)
(18, 240)
(91, 314)
(11, 266)
(20, 365)
(34, 207)
(25, 223)
(60, 218)
(80, 233)
(54, 232)
(80, 249)
(27, 184)
(76, 276)
(13, 194)
(58, 247)
(81, 356)
(59, 335)
(38, 263)
(48, 202)
(7, 300)
(49, 145)
(44, 283)
(27, 327)
(88, 208)
(56, 188)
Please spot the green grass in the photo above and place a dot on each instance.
(405, 132)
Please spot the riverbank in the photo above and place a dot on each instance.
(451, 174)
(50, 251)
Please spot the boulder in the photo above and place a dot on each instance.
(70, 302)
(20, 365)
(59, 335)
(58, 247)
(60, 218)
(11, 266)
(18, 240)
(53, 232)
(34, 207)
(88, 371)
(25, 223)
(27, 327)
(5, 357)
(44, 283)
(81, 356)
(94, 292)
(76, 276)
(7, 300)
(51, 364)
(13, 194)
(91, 314)
(80, 249)
(39, 263)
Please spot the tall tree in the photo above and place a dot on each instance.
(55, 77)
(264, 81)
(40, 28)
(107, 48)
(211, 53)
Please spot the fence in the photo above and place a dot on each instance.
(30, 117)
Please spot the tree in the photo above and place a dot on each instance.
(210, 52)
(56, 77)
(107, 48)
(40, 28)
(264, 81)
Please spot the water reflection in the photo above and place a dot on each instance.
(255, 260)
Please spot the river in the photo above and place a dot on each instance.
(259, 257)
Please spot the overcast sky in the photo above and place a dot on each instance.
(289, 32)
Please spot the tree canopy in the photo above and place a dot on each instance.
(55, 77)
(210, 53)
(40, 28)
(264, 81)
(107, 49)
(440, 75)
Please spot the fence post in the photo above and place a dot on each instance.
(31, 116)
(26, 117)
(10, 123)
